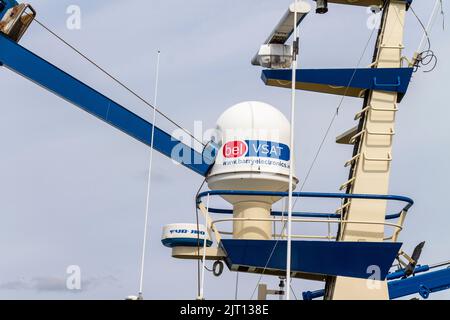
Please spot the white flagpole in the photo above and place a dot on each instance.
(292, 153)
(149, 184)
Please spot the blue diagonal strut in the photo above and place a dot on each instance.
(45, 74)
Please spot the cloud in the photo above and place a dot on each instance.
(56, 284)
(15, 285)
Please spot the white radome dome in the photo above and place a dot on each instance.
(254, 149)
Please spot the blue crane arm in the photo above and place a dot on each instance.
(29, 65)
(424, 282)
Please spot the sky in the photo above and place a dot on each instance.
(73, 189)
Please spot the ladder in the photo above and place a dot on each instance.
(372, 156)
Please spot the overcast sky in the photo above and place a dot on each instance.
(73, 188)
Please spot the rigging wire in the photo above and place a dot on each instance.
(149, 183)
(293, 292)
(427, 54)
(92, 62)
(236, 291)
(426, 57)
(335, 115)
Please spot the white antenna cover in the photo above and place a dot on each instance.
(254, 153)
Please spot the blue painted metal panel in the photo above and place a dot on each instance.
(365, 3)
(43, 73)
(348, 259)
(5, 5)
(351, 82)
(424, 284)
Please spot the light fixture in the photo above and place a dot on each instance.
(274, 53)
(322, 6)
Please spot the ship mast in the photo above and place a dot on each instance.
(370, 165)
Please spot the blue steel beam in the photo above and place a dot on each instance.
(348, 82)
(27, 64)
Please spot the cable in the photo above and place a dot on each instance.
(335, 115)
(333, 119)
(116, 80)
(423, 26)
(426, 57)
(293, 292)
(236, 291)
(264, 270)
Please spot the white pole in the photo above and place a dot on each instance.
(291, 169)
(149, 183)
(202, 288)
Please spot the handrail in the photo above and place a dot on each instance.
(409, 202)
(306, 217)
(280, 213)
(301, 214)
(394, 225)
(397, 226)
(305, 195)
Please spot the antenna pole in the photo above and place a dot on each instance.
(202, 288)
(149, 184)
(292, 153)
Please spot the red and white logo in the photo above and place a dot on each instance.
(235, 149)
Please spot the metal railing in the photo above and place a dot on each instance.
(306, 217)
